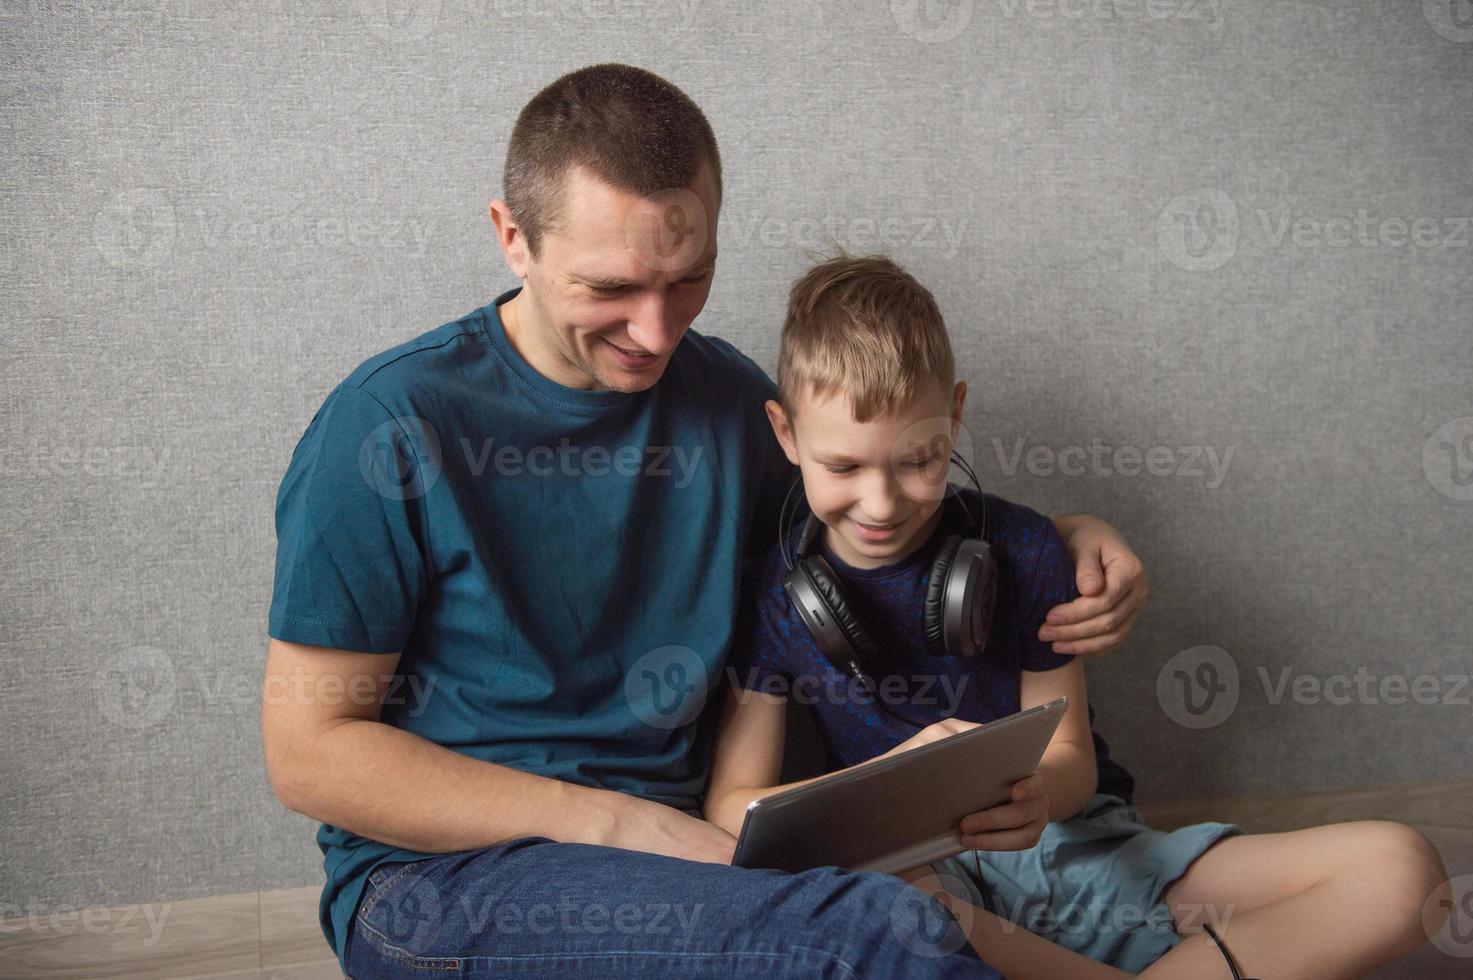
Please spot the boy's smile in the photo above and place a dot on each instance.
(876, 485)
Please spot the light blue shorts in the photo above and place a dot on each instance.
(1092, 884)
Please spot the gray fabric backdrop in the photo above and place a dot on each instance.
(1207, 265)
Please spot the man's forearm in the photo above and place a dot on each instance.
(393, 786)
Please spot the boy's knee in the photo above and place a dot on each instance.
(1408, 879)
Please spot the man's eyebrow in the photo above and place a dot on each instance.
(602, 282)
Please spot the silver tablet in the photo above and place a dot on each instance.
(902, 812)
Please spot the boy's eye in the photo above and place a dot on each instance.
(838, 469)
(920, 464)
(695, 280)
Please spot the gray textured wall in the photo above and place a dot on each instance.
(1238, 227)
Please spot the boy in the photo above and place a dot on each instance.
(869, 410)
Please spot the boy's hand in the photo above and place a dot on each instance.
(1012, 826)
(1112, 590)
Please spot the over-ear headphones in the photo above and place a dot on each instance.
(961, 593)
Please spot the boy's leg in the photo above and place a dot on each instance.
(1331, 901)
(536, 908)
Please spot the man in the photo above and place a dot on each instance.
(509, 553)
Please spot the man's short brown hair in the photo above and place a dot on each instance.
(627, 126)
(866, 328)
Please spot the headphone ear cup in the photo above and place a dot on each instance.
(831, 593)
(933, 619)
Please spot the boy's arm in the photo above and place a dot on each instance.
(1068, 767)
(748, 758)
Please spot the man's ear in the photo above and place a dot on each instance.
(511, 239)
(782, 427)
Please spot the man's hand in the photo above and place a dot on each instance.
(1112, 590)
(640, 825)
(1013, 826)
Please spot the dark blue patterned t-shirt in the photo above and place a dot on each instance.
(773, 650)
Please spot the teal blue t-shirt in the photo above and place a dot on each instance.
(559, 567)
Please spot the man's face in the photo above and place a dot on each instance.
(877, 485)
(616, 283)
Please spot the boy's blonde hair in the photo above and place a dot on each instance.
(864, 327)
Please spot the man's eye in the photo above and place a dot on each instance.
(607, 292)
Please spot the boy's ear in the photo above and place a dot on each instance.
(510, 237)
(782, 427)
(958, 403)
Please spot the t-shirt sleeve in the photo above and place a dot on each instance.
(1052, 583)
(352, 541)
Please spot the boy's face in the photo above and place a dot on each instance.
(877, 485)
(615, 285)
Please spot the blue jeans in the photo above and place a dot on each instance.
(533, 907)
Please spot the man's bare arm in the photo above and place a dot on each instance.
(330, 757)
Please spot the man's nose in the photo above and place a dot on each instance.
(653, 325)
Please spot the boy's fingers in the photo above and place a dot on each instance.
(1004, 816)
(1027, 786)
